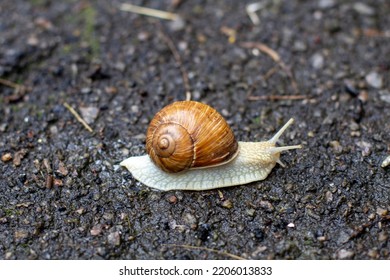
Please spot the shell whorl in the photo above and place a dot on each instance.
(187, 135)
(172, 147)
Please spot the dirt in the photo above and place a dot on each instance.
(63, 194)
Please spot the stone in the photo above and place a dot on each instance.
(317, 61)
(374, 80)
(326, 4)
(114, 238)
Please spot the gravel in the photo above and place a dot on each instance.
(63, 194)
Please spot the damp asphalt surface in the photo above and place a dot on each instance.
(63, 194)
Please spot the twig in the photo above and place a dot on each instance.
(371, 32)
(78, 117)
(361, 229)
(277, 97)
(275, 57)
(189, 247)
(19, 90)
(269, 73)
(149, 12)
(179, 62)
(9, 84)
(230, 32)
(251, 10)
(263, 48)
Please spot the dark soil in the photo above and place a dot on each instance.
(63, 194)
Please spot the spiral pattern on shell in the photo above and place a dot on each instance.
(189, 134)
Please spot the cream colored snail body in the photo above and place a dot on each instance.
(191, 147)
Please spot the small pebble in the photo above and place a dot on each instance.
(343, 238)
(384, 95)
(326, 4)
(250, 212)
(20, 234)
(172, 199)
(8, 255)
(111, 90)
(386, 162)
(227, 204)
(134, 109)
(355, 133)
(225, 112)
(80, 211)
(143, 36)
(267, 205)
(53, 131)
(329, 196)
(86, 90)
(183, 45)
(19, 155)
(299, 46)
(373, 253)
(96, 230)
(32, 40)
(381, 211)
(120, 66)
(337, 148)
(62, 169)
(114, 238)
(345, 254)
(353, 126)
(89, 114)
(363, 9)
(177, 25)
(58, 183)
(6, 157)
(382, 236)
(321, 238)
(365, 147)
(108, 216)
(190, 220)
(363, 96)
(317, 61)
(43, 23)
(125, 152)
(3, 127)
(374, 79)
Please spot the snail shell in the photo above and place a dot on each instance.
(188, 135)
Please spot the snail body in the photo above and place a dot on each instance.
(216, 159)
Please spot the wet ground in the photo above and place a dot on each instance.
(63, 194)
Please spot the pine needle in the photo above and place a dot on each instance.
(78, 117)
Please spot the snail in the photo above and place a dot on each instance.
(190, 146)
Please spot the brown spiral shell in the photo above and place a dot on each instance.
(189, 134)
